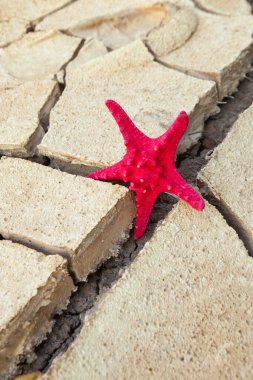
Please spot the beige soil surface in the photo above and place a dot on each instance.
(184, 303)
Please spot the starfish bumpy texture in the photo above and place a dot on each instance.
(149, 166)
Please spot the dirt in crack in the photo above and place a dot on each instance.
(68, 324)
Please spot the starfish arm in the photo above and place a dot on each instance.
(186, 192)
(175, 133)
(133, 137)
(144, 205)
(112, 173)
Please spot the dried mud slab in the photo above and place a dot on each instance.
(33, 288)
(173, 33)
(31, 10)
(228, 176)
(184, 306)
(220, 49)
(83, 133)
(58, 213)
(225, 7)
(36, 56)
(23, 110)
(11, 30)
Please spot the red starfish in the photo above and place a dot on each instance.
(149, 166)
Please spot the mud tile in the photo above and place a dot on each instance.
(11, 30)
(220, 49)
(33, 287)
(54, 212)
(24, 108)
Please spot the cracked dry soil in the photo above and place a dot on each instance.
(68, 324)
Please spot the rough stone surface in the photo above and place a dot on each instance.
(11, 30)
(225, 49)
(36, 56)
(33, 287)
(29, 9)
(228, 174)
(225, 7)
(184, 306)
(83, 132)
(24, 108)
(56, 212)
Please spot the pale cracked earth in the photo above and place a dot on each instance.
(79, 297)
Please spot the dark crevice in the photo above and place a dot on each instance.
(42, 160)
(76, 52)
(30, 28)
(48, 106)
(68, 33)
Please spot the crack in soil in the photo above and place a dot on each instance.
(69, 322)
(44, 114)
(34, 23)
